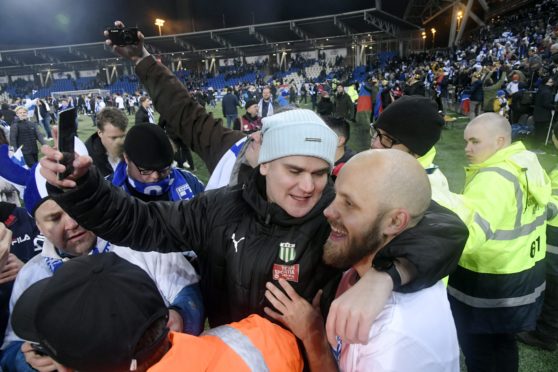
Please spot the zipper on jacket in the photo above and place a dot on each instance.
(524, 170)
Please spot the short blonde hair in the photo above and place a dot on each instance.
(20, 108)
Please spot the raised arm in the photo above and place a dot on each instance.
(186, 119)
(120, 218)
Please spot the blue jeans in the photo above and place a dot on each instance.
(230, 120)
(46, 124)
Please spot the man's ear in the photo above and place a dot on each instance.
(500, 142)
(341, 141)
(396, 221)
(264, 169)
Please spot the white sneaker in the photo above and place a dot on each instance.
(186, 165)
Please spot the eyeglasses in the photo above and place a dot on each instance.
(162, 172)
(386, 140)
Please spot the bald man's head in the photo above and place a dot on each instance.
(380, 193)
(395, 176)
(485, 135)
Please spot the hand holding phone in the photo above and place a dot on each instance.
(66, 135)
(38, 349)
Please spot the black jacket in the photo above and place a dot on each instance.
(233, 276)
(142, 116)
(325, 107)
(229, 104)
(343, 106)
(241, 239)
(441, 235)
(99, 155)
(416, 89)
(205, 224)
(26, 133)
(544, 104)
(477, 93)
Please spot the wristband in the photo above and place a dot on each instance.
(388, 266)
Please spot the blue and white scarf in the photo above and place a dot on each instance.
(175, 183)
(54, 261)
(221, 175)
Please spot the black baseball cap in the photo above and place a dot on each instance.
(91, 313)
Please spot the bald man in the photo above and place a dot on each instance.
(414, 332)
(497, 288)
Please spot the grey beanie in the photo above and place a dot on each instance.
(297, 132)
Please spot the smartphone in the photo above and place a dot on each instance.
(38, 349)
(66, 135)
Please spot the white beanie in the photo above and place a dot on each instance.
(297, 132)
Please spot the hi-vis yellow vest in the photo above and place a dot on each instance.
(505, 208)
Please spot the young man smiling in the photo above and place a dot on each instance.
(271, 225)
(242, 236)
(414, 332)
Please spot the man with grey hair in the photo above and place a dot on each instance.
(280, 209)
(496, 290)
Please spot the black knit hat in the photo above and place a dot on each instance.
(414, 121)
(148, 147)
(91, 313)
(249, 103)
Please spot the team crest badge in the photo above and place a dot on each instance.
(287, 252)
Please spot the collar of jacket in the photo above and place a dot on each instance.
(346, 156)
(250, 118)
(427, 159)
(97, 145)
(270, 213)
(502, 155)
(499, 156)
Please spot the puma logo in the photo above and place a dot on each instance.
(235, 242)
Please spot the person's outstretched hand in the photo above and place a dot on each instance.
(50, 167)
(297, 314)
(132, 52)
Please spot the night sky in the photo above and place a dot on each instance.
(27, 23)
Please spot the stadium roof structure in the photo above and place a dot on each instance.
(322, 32)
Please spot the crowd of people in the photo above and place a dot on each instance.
(301, 253)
